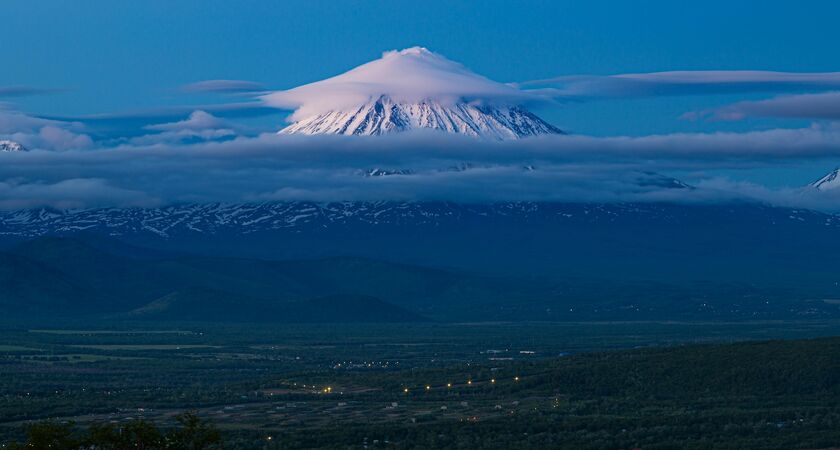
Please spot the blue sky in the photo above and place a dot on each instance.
(116, 55)
(109, 56)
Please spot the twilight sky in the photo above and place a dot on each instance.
(117, 55)
(139, 71)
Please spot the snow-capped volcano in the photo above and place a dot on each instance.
(411, 89)
(11, 146)
(827, 182)
(384, 115)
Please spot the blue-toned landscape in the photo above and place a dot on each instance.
(437, 225)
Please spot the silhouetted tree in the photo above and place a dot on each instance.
(138, 434)
(191, 434)
(50, 435)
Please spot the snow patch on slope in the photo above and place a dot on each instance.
(11, 146)
(828, 182)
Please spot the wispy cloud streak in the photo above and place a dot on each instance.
(824, 105)
(677, 83)
(224, 87)
(25, 91)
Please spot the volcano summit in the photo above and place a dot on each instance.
(412, 89)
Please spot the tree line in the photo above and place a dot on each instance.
(191, 433)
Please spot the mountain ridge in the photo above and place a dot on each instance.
(217, 289)
(828, 181)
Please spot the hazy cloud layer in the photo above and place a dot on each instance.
(443, 167)
(69, 194)
(37, 133)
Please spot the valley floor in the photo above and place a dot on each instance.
(499, 385)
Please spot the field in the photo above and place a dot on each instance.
(398, 386)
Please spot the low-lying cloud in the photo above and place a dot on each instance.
(37, 133)
(72, 193)
(436, 166)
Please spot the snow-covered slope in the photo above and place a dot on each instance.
(830, 181)
(295, 217)
(11, 146)
(410, 89)
(384, 115)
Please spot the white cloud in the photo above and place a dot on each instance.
(68, 194)
(198, 120)
(677, 83)
(37, 133)
(327, 168)
(823, 105)
(15, 122)
(410, 75)
(57, 138)
(199, 126)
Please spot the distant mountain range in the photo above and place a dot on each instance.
(98, 279)
(421, 261)
(649, 240)
(60, 277)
